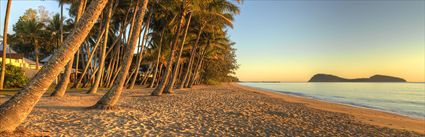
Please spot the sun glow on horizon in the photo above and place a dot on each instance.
(292, 41)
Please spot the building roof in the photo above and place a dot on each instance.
(12, 55)
(46, 59)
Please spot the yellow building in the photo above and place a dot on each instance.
(16, 59)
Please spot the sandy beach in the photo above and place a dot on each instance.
(223, 110)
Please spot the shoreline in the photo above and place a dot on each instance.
(339, 103)
(363, 114)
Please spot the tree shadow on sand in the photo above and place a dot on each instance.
(64, 107)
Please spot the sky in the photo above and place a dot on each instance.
(288, 40)
(291, 40)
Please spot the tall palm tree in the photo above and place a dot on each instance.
(140, 57)
(93, 89)
(217, 13)
(3, 64)
(169, 88)
(110, 99)
(158, 56)
(54, 30)
(63, 84)
(161, 86)
(14, 111)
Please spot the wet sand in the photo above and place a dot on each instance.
(224, 110)
(365, 115)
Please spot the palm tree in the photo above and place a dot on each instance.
(14, 111)
(161, 86)
(169, 88)
(93, 89)
(157, 59)
(140, 57)
(54, 29)
(3, 64)
(217, 13)
(31, 30)
(110, 99)
(63, 84)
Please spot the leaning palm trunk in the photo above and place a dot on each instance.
(139, 61)
(93, 89)
(37, 66)
(77, 83)
(111, 97)
(160, 73)
(145, 78)
(14, 111)
(169, 88)
(3, 64)
(158, 77)
(111, 72)
(157, 60)
(196, 71)
(63, 84)
(133, 18)
(188, 73)
(129, 76)
(161, 86)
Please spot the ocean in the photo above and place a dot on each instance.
(400, 98)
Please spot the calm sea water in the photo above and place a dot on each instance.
(400, 98)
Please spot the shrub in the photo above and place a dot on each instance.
(14, 77)
(212, 82)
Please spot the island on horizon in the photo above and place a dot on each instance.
(374, 78)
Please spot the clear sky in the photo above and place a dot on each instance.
(291, 40)
(19, 6)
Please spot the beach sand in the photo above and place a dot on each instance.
(223, 110)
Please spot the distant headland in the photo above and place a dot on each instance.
(374, 78)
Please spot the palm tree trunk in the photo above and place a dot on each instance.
(113, 62)
(169, 88)
(188, 73)
(108, 72)
(14, 111)
(157, 60)
(196, 71)
(180, 73)
(76, 65)
(110, 99)
(37, 67)
(93, 89)
(115, 77)
(91, 55)
(161, 86)
(3, 64)
(140, 58)
(61, 25)
(198, 76)
(63, 84)
(160, 73)
(133, 18)
(129, 76)
(145, 78)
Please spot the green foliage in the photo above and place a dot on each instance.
(220, 70)
(36, 29)
(15, 77)
(212, 82)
